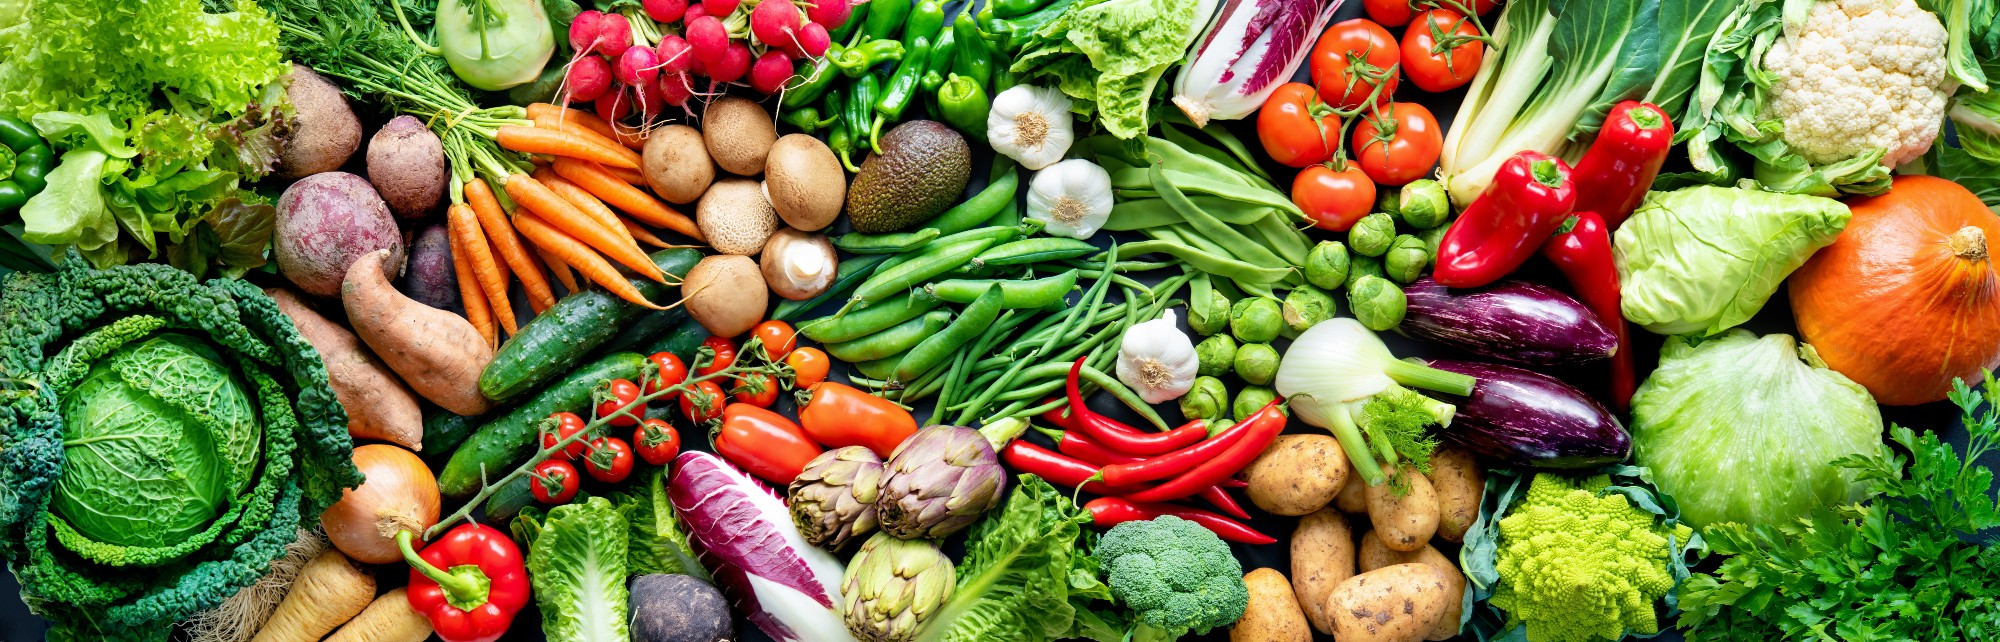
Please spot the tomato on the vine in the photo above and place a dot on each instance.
(609, 461)
(656, 441)
(1297, 129)
(760, 390)
(1390, 13)
(809, 367)
(567, 423)
(1398, 146)
(1334, 199)
(619, 395)
(778, 338)
(703, 402)
(1351, 58)
(725, 355)
(668, 371)
(555, 482)
(1434, 67)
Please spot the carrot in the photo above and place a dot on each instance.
(508, 244)
(626, 197)
(535, 140)
(580, 257)
(558, 123)
(477, 310)
(630, 176)
(538, 198)
(467, 240)
(643, 235)
(328, 593)
(584, 201)
(589, 120)
(388, 619)
(561, 269)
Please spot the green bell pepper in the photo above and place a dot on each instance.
(25, 162)
(965, 104)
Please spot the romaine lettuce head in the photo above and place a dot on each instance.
(1744, 429)
(1705, 259)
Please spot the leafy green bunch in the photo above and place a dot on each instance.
(1903, 565)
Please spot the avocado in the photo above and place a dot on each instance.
(921, 171)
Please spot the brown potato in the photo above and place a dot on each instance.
(1353, 497)
(1298, 474)
(1322, 558)
(1406, 521)
(1374, 555)
(1274, 614)
(1460, 485)
(1399, 603)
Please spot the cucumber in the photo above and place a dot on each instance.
(646, 330)
(508, 500)
(681, 341)
(562, 335)
(444, 431)
(509, 439)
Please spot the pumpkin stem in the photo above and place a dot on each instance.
(1969, 243)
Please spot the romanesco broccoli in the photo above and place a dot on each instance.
(1177, 576)
(1578, 566)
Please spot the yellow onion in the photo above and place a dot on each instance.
(399, 494)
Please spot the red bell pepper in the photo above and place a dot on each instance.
(1583, 253)
(1614, 175)
(1531, 196)
(469, 583)
(1120, 436)
(1076, 444)
(1107, 512)
(1259, 429)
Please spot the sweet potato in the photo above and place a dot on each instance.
(325, 222)
(1399, 603)
(438, 353)
(1273, 615)
(1322, 558)
(1298, 474)
(1406, 518)
(378, 406)
(1460, 486)
(1374, 555)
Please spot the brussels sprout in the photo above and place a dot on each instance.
(1208, 399)
(1406, 259)
(1377, 303)
(1432, 238)
(1256, 363)
(1216, 354)
(1372, 235)
(1326, 265)
(1210, 318)
(1423, 204)
(1387, 202)
(1306, 306)
(1255, 319)
(1219, 424)
(1364, 266)
(1250, 400)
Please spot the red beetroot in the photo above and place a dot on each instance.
(769, 73)
(588, 78)
(665, 10)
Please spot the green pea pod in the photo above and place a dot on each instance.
(869, 320)
(882, 368)
(999, 193)
(1034, 250)
(891, 341)
(936, 348)
(919, 269)
(894, 243)
(885, 19)
(1039, 293)
(964, 104)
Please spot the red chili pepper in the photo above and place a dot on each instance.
(1061, 470)
(1530, 197)
(1075, 444)
(469, 583)
(1263, 426)
(1112, 511)
(1176, 462)
(1061, 417)
(1613, 176)
(1119, 436)
(1583, 253)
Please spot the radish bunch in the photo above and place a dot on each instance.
(647, 58)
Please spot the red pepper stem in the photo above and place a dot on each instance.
(1547, 172)
(1428, 378)
(464, 589)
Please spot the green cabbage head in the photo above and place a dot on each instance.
(1705, 259)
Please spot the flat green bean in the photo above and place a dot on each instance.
(1243, 247)
(936, 348)
(1135, 178)
(891, 341)
(1282, 238)
(1210, 263)
(1142, 213)
(869, 320)
(1038, 293)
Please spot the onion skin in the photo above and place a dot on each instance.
(398, 494)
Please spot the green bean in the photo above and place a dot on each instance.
(1091, 300)
(935, 349)
(881, 368)
(1042, 386)
(924, 386)
(1210, 263)
(1085, 269)
(848, 274)
(1282, 238)
(1212, 228)
(1119, 391)
(917, 270)
(891, 341)
(1038, 293)
(1173, 154)
(1034, 250)
(952, 374)
(974, 211)
(1141, 213)
(869, 320)
(979, 402)
(1187, 144)
(897, 243)
(1057, 369)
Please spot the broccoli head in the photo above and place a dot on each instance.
(1577, 565)
(1177, 576)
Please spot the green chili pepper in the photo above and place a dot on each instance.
(807, 119)
(856, 60)
(860, 106)
(857, 15)
(942, 53)
(885, 17)
(902, 87)
(807, 87)
(25, 162)
(1015, 8)
(924, 22)
(974, 57)
(964, 103)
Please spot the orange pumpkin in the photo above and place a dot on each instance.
(1906, 299)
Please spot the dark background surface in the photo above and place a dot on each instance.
(17, 625)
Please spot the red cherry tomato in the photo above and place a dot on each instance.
(725, 355)
(621, 394)
(1399, 147)
(555, 482)
(1296, 128)
(656, 441)
(809, 367)
(760, 390)
(567, 423)
(1434, 68)
(777, 337)
(609, 461)
(668, 371)
(1390, 13)
(1334, 199)
(703, 402)
(1350, 59)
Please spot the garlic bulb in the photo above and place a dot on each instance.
(1071, 198)
(1157, 360)
(1031, 125)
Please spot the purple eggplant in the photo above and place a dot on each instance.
(1527, 419)
(1512, 321)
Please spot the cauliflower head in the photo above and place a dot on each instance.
(1176, 575)
(1575, 566)
(1860, 75)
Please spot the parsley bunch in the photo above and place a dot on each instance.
(1904, 565)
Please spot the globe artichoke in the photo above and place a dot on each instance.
(893, 585)
(833, 499)
(943, 478)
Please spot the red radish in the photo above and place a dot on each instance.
(694, 12)
(665, 10)
(722, 8)
(774, 22)
(814, 40)
(676, 89)
(675, 56)
(639, 66)
(583, 31)
(588, 77)
(651, 100)
(709, 40)
(614, 34)
(614, 105)
(771, 71)
(734, 63)
(830, 13)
